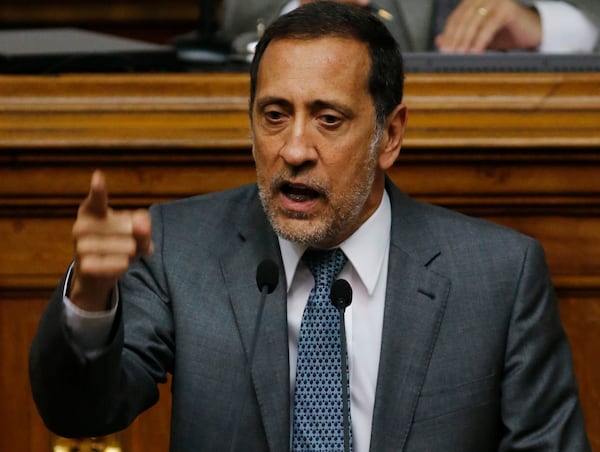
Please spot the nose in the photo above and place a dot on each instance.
(299, 148)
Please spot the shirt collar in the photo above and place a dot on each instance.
(365, 248)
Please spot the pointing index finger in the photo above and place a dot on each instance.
(96, 202)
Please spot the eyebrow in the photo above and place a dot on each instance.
(314, 106)
(270, 100)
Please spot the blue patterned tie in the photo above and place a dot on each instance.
(318, 420)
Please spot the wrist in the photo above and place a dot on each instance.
(88, 296)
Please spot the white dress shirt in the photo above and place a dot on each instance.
(565, 29)
(89, 329)
(366, 271)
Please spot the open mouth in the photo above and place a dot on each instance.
(299, 192)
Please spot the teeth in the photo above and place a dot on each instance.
(298, 197)
(299, 192)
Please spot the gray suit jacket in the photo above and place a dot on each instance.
(473, 356)
(411, 25)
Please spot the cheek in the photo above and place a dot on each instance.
(355, 167)
(348, 159)
(258, 152)
(265, 148)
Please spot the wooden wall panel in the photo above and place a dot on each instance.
(580, 314)
(203, 111)
(21, 428)
(521, 150)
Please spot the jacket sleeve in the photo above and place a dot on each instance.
(540, 401)
(80, 395)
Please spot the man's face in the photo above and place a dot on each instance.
(313, 125)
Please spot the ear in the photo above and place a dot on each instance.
(392, 137)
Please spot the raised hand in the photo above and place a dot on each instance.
(478, 25)
(105, 242)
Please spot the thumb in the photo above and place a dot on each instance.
(142, 232)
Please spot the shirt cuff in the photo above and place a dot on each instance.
(89, 330)
(565, 29)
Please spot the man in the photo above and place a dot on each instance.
(450, 26)
(454, 343)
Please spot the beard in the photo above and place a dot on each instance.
(340, 216)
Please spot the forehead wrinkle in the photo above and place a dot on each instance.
(338, 63)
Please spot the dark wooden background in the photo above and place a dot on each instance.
(152, 20)
(518, 149)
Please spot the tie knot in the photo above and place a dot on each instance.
(325, 265)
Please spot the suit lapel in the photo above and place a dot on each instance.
(415, 302)
(414, 307)
(270, 369)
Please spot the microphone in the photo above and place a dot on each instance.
(341, 297)
(267, 277)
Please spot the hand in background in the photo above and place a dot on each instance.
(478, 25)
(105, 242)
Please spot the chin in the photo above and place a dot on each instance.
(295, 229)
(313, 233)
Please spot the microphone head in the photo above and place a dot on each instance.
(267, 275)
(341, 294)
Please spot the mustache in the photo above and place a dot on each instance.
(289, 177)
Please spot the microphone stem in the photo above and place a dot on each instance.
(345, 396)
(263, 295)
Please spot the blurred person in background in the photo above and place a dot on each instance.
(450, 26)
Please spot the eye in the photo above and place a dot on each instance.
(330, 120)
(273, 116)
